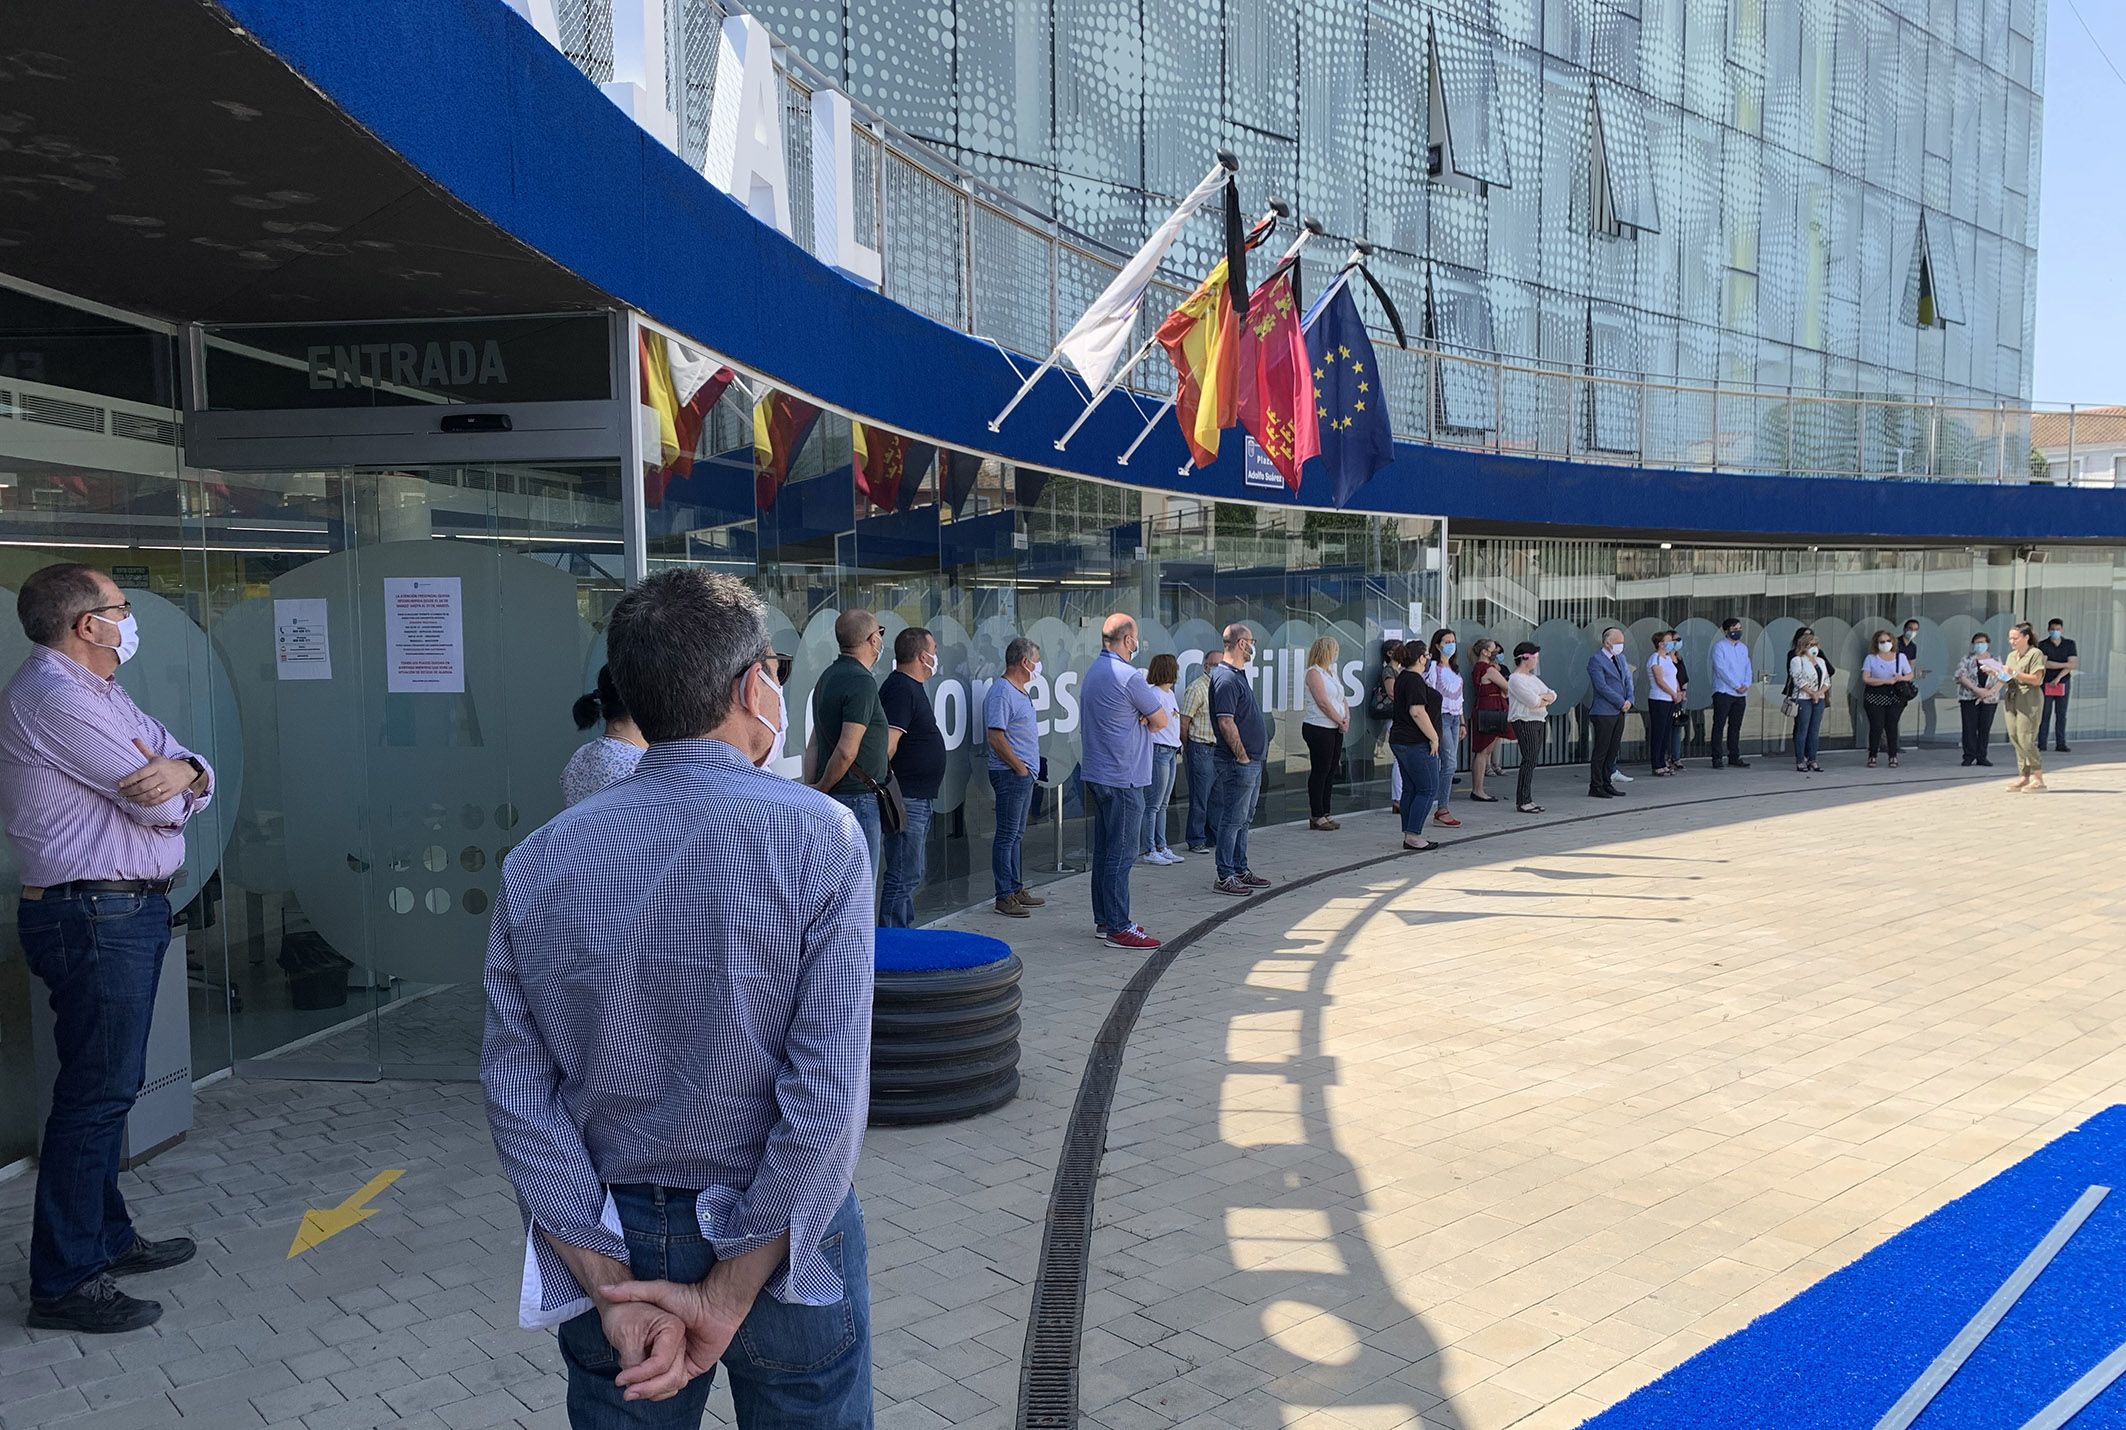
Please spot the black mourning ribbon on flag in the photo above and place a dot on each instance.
(1236, 249)
(1395, 319)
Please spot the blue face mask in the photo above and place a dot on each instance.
(2055, 634)
(1979, 646)
(1446, 647)
(1669, 646)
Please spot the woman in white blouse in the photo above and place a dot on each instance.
(1324, 723)
(1808, 681)
(1443, 677)
(1528, 702)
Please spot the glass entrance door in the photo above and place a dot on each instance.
(405, 645)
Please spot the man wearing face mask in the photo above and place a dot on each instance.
(95, 796)
(678, 1047)
(1609, 676)
(916, 749)
(2062, 659)
(1732, 675)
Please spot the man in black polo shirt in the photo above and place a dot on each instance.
(2062, 659)
(849, 725)
(917, 750)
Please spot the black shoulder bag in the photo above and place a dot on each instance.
(892, 810)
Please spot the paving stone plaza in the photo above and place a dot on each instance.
(1486, 1138)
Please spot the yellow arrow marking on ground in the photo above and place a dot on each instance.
(320, 1224)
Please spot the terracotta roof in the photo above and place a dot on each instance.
(2092, 427)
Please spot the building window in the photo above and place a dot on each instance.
(1465, 149)
(2118, 471)
(1620, 169)
(1458, 326)
(1933, 296)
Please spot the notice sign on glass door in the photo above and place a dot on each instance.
(302, 646)
(424, 635)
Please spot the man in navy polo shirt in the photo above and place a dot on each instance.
(1243, 741)
(1120, 711)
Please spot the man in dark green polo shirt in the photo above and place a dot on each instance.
(849, 725)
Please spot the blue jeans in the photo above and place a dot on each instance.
(1202, 778)
(905, 852)
(100, 957)
(1808, 730)
(1014, 797)
(1232, 811)
(864, 805)
(1420, 769)
(1118, 817)
(1450, 754)
(791, 1367)
(1156, 794)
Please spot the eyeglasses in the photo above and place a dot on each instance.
(782, 665)
(126, 606)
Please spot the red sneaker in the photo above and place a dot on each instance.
(1131, 938)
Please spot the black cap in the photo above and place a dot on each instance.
(1526, 648)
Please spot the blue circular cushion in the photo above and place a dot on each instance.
(922, 950)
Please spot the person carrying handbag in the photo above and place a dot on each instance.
(1886, 677)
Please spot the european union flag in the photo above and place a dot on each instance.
(1350, 407)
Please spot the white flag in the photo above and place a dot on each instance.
(691, 370)
(1095, 342)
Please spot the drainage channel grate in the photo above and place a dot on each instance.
(1048, 1370)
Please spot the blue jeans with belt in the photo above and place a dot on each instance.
(791, 1367)
(1014, 796)
(1118, 817)
(1232, 812)
(905, 855)
(1156, 794)
(100, 958)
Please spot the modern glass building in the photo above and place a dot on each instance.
(1714, 312)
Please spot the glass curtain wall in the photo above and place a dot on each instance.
(1561, 594)
(826, 515)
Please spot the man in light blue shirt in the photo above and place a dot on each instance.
(1014, 760)
(1119, 710)
(678, 1051)
(1732, 674)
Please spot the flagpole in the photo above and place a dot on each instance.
(1131, 450)
(1226, 164)
(1277, 207)
(1337, 285)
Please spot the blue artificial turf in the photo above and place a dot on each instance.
(1837, 1356)
(922, 950)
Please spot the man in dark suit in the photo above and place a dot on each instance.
(1609, 676)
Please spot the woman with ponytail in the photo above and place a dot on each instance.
(610, 757)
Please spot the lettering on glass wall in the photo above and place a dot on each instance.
(432, 367)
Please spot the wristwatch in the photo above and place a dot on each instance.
(199, 769)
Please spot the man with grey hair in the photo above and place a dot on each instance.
(95, 796)
(678, 1047)
(1014, 760)
(1119, 711)
(849, 733)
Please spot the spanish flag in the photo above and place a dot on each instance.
(1202, 337)
(681, 385)
(781, 424)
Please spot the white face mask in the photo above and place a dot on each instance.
(1616, 647)
(128, 636)
(1037, 670)
(1815, 651)
(930, 663)
(779, 727)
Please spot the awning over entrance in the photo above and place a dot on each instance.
(155, 157)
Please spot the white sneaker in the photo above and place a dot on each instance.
(1150, 857)
(1621, 778)
(1170, 857)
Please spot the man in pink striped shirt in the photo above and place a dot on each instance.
(94, 795)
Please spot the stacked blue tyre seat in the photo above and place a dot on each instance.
(944, 1026)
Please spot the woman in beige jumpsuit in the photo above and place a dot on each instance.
(2023, 700)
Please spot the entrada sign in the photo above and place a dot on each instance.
(744, 154)
(429, 366)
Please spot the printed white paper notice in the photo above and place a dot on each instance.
(424, 635)
(301, 647)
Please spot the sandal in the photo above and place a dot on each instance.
(1893, 762)
(1871, 762)
(1530, 808)
(1447, 819)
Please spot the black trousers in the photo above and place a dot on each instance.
(1882, 726)
(1978, 727)
(2055, 711)
(1660, 732)
(1528, 734)
(1602, 755)
(1325, 748)
(1727, 726)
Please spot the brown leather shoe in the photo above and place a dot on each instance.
(1010, 909)
(1031, 901)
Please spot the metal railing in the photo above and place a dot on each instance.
(971, 256)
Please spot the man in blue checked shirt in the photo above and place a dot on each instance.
(678, 1048)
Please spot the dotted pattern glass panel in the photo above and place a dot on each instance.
(587, 36)
(901, 62)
